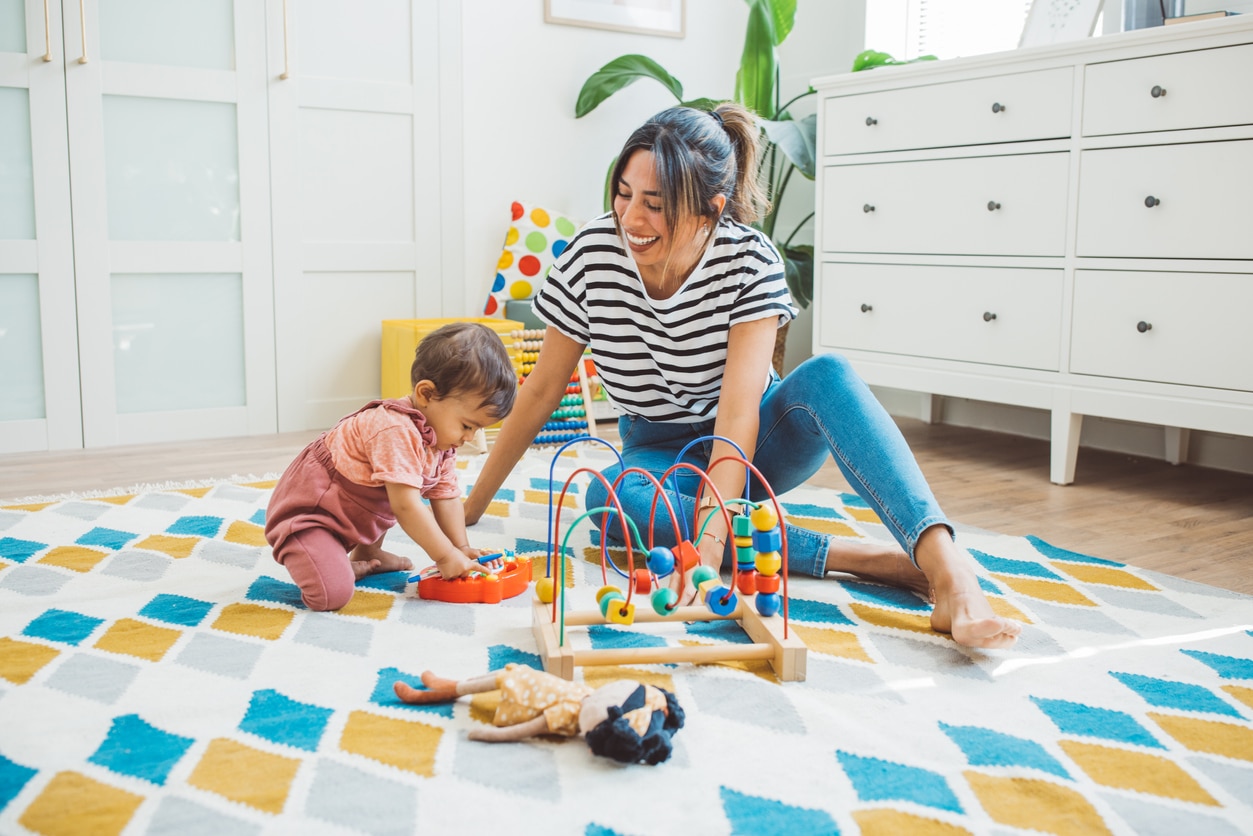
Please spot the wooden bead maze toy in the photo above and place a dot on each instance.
(756, 599)
(572, 418)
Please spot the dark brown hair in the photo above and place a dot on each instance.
(467, 358)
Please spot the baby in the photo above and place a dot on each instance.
(335, 503)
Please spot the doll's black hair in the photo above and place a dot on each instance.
(614, 738)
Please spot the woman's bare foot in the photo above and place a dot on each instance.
(878, 563)
(961, 609)
(371, 560)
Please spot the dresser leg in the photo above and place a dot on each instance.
(929, 410)
(1177, 439)
(1064, 446)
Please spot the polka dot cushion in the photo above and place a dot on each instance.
(536, 237)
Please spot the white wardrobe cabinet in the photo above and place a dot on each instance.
(1109, 269)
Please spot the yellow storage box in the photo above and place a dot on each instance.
(401, 338)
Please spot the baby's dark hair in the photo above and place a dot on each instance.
(467, 358)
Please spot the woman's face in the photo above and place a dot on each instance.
(640, 213)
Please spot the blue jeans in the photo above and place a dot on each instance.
(822, 408)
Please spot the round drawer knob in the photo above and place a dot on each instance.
(993, 206)
(1143, 326)
(867, 207)
(1151, 201)
(1158, 91)
(988, 316)
(871, 121)
(997, 107)
(866, 308)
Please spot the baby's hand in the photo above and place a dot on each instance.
(494, 565)
(457, 565)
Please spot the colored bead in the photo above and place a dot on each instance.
(621, 613)
(605, 590)
(768, 541)
(721, 600)
(746, 582)
(664, 600)
(746, 555)
(686, 555)
(544, 590)
(769, 563)
(643, 581)
(742, 542)
(768, 584)
(763, 518)
(702, 574)
(741, 526)
(611, 601)
(660, 561)
(769, 603)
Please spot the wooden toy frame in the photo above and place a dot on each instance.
(771, 639)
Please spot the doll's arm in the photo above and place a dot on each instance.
(503, 734)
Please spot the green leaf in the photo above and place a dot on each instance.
(798, 263)
(759, 65)
(703, 103)
(870, 59)
(618, 73)
(797, 141)
(783, 14)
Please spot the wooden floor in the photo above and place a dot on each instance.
(1188, 521)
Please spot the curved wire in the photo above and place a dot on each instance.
(552, 468)
(692, 444)
(561, 639)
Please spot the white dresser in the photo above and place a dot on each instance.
(1067, 228)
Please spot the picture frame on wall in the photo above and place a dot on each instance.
(647, 17)
(1059, 21)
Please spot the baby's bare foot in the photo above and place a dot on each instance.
(370, 560)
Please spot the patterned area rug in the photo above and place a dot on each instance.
(159, 675)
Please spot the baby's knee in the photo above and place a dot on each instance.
(325, 600)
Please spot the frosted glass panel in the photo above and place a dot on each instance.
(192, 33)
(17, 184)
(172, 169)
(178, 341)
(21, 351)
(356, 176)
(12, 26)
(349, 40)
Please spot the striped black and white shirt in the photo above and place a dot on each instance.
(662, 359)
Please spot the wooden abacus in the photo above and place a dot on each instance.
(573, 417)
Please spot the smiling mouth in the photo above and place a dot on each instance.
(640, 242)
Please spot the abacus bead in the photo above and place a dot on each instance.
(769, 563)
(702, 574)
(621, 613)
(663, 600)
(768, 583)
(611, 602)
(544, 590)
(605, 590)
(741, 526)
(763, 518)
(643, 581)
(746, 582)
(660, 561)
(768, 541)
(769, 603)
(721, 601)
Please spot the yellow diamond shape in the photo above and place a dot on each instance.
(541, 498)
(1211, 736)
(1244, 695)
(74, 558)
(253, 620)
(826, 526)
(246, 775)
(497, 508)
(121, 499)
(893, 822)
(865, 515)
(1105, 575)
(19, 661)
(263, 485)
(1045, 590)
(1035, 805)
(832, 642)
(171, 545)
(369, 604)
(400, 743)
(135, 638)
(199, 493)
(34, 506)
(1007, 610)
(245, 533)
(1140, 771)
(73, 804)
(891, 618)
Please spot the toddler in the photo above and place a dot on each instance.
(335, 503)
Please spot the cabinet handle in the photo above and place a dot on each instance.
(286, 73)
(1143, 326)
(997, 107)
(866, 308)
(871, 121)
(867, 207)
(82, 25)
(988, 316)
(1158, 91)
(993, 206)
(1151, 201)
(47, 33)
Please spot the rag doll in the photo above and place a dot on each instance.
(625, 720)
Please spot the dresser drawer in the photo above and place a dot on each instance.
(1008, 108)
(1167, 201)
(1011, 205)
(1200, 89)
(1186, 328)
(999, 316)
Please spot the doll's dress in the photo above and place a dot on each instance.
(526, 693)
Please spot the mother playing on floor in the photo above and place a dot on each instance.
(680, 300)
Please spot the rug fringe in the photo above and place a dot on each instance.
(143, 487)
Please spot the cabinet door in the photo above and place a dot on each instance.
(39, 405)
(353, 99)
(169, 185)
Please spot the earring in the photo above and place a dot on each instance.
(704, 230)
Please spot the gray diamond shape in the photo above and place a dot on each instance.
(33, 580)
(10, 518)
(357, 801)
(747, 700)
(529, 771)
(96, 678)
(1148, 819)
(930, 656)
(220, 655)
(236, 493)
(187, 818)
(1088, 619)
(83, 510)
(1133, 599)
(333, 632)
(844, 678)
(137, 566)
(230, 554)
(162, 501)
(457, 619)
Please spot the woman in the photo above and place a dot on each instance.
(680, 300)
